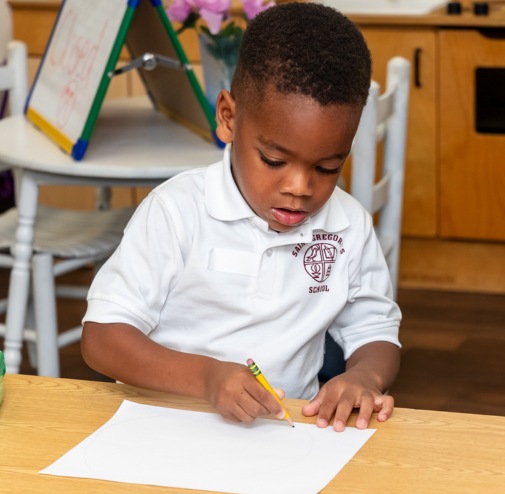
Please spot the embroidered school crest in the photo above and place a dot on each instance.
(319, 259)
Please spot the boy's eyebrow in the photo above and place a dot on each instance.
(277, 147)
(274, 146)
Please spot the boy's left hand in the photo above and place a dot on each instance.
(342, 394)
(370, 369)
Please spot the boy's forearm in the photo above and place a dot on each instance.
(122, 352)
(379, 361)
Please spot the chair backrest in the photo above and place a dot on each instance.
(14, 77)
(384, 119)
(5, 37)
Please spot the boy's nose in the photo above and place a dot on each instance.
(297, 184)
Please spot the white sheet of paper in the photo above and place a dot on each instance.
(143, 444)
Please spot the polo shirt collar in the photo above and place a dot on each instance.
(332, 216)
(225, 202)
(223, 199)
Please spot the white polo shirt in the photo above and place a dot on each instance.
(199, 272)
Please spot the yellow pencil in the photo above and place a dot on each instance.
(261, 378)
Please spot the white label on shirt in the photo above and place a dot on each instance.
(234, 262)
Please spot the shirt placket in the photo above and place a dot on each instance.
(272, 248)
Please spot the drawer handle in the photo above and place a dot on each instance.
(417, 67)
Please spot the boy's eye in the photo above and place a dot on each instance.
(279, 163)
(270, 162)
(328, 171)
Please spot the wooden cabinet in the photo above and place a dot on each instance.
(472, 162)
(455, 175)
(418, 45)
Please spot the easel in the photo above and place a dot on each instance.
(81, 58)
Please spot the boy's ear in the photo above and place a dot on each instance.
(225, 116)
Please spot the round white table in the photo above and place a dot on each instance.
(131, 145)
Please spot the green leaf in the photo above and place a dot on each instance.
(189, 23)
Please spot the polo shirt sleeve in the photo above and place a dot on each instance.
(132, 286)
(370, 313)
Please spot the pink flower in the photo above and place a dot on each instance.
(179, 10)
(216, 6)
(253, 7)
(213, 20)
(214, 12)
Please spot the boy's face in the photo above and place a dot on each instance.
(287, 153)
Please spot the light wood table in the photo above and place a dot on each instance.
(416, 451)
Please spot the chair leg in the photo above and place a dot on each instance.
(44, 298)
(31, 345)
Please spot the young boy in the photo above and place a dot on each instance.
(260, 254)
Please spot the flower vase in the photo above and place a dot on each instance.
(219, 57)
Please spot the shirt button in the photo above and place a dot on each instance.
(269, 252)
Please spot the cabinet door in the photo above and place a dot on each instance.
(472, 163)
(418, 45)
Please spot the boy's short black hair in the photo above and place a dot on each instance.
(303, 48)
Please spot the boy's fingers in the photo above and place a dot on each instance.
(365, 412)
(341, 407)
(344, 409)
(280, 393)
(313, 407)
(248, 407)
(238, 414)
(386, 405)
(265, 400)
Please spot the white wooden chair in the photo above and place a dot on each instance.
(384, 120)
(64, 240)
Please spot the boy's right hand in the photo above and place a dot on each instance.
(237, 395)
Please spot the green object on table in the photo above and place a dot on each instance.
(2, 374)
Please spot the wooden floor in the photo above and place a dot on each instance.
(453, 355)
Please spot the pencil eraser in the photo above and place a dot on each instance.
(250, 361)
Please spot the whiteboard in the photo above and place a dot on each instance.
(74, 64)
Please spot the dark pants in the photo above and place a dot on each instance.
(334, 363)
(6, 190)
(6, 179)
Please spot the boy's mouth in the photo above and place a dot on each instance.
(288, 217)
